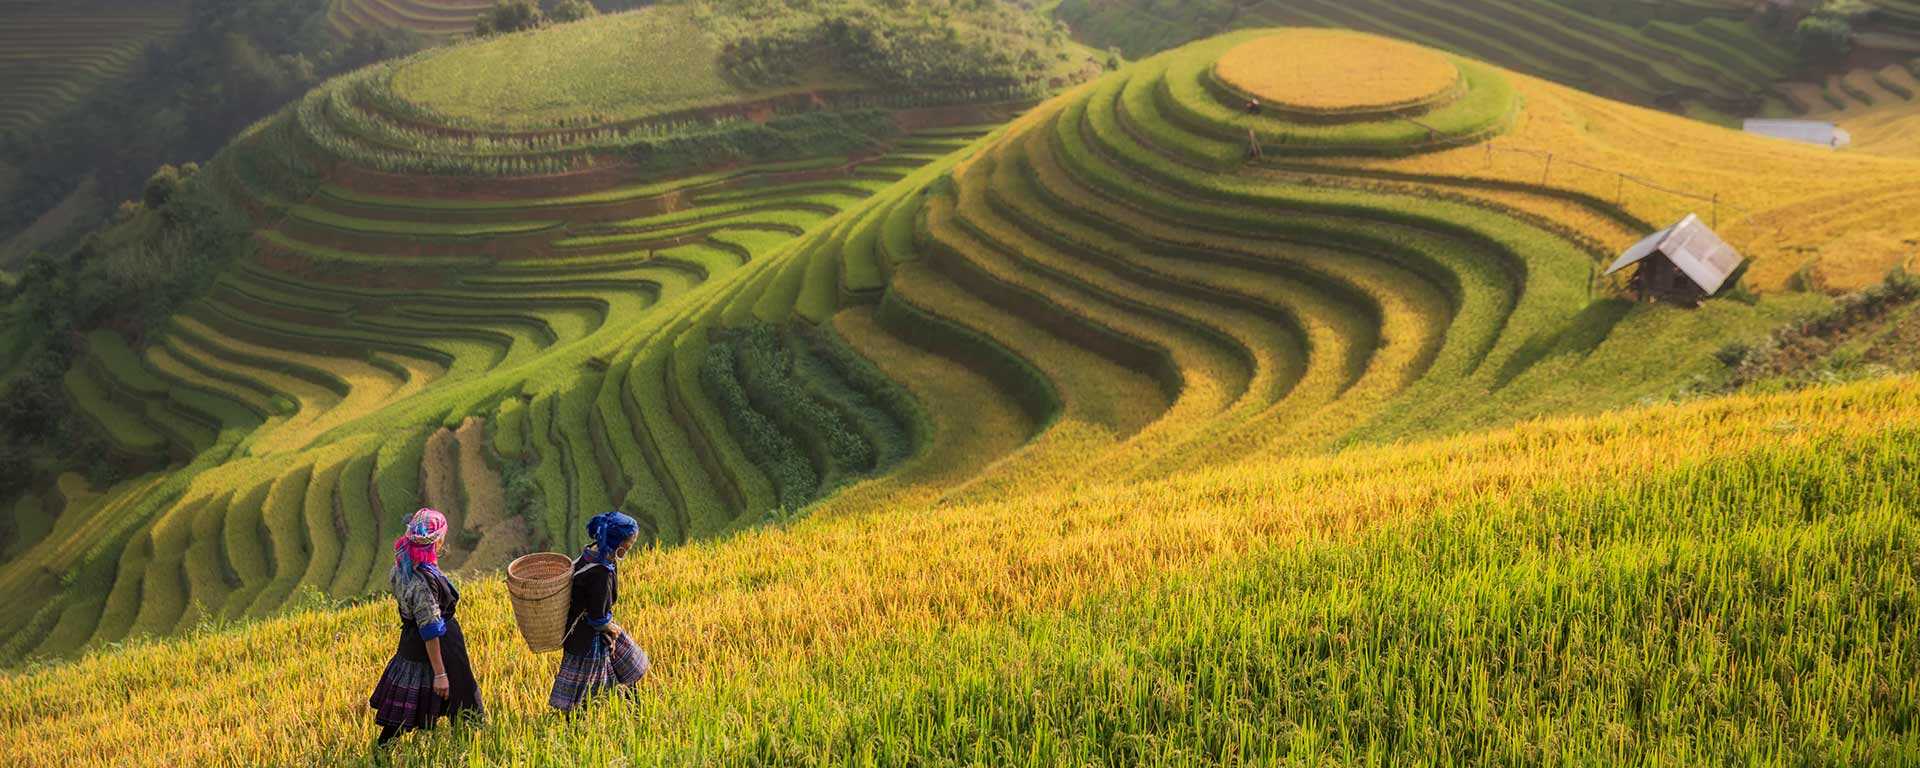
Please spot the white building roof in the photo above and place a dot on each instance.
(1806, 131)
(1699, 253)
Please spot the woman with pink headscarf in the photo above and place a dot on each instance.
(429, 675)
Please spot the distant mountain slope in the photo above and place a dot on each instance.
(52, 53)
(443, 18)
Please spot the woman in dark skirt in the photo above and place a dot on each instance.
(599, 655)
(430, 675)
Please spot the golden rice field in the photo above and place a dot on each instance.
(1879, 108)
(755, 637)
(1838, 218)
(1714, 59)
(1336, 71)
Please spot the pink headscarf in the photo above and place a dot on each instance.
(417, 545)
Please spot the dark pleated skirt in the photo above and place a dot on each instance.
(620, 662)
(404, 697)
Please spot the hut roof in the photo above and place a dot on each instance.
(1692, 247)
(1807, 131)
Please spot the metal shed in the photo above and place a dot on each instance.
(1804, 131)
(1683, 263)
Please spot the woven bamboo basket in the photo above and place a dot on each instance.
(541, 587)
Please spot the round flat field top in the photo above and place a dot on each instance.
(1336, 71)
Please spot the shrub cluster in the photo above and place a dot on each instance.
(521, 488)
(520, 15)
(901, 43)
(794, 480)
(894, 403)
(1825, 36)
(1797, 351)
(767, 370)
(808, 411)
(127, 278)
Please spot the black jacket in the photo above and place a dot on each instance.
(595, 590)
(412, 647)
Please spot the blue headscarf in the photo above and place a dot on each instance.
(609, 530)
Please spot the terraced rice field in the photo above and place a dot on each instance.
(611, 72)
(53, 53)
(1152, 301)
(1700, 57)
(1606, 172)
(1336, 72)
(1879, 108)
(1136, 295)
(433, 18)
(398, 340)
(578, 97)
(1256, 312)
(1902, 20)
(994, 380)
(302, 350)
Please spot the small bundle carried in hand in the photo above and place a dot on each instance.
(541, 585)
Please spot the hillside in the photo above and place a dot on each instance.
(422, 310)
(1713, 59)
(1608, 172)
(428, 17)
(137, 86)
(540, 323)
(52, 53)
(1130, 427)
(56, 55)
(1878, 107)
(54, 183)
(1611, 588)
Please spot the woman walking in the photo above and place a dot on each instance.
(429, 675)
(599, 654)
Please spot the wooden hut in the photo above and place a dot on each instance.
(1683, 264)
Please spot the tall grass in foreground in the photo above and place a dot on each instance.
(1762, 609)
(1733, 577)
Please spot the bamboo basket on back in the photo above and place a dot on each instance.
(541, 586)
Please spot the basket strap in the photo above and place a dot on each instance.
(576, 620)
(570, 626)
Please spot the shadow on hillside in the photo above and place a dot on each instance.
(1578, 337)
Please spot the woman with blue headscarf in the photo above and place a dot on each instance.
(599, 655)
